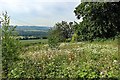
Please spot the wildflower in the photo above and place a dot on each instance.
(115, 61)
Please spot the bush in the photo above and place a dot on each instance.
(10, 46)
(53, 42)
(54, 39)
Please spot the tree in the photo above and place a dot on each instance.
(99, 19)
(10, 46)
(61, 32)
(65, 30)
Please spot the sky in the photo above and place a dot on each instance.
(39, 12)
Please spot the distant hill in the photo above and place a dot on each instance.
(37, 31)
(32, 28)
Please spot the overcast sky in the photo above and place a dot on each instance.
(39, 12)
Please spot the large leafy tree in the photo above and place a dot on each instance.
(99, 19)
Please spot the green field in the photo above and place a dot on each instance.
(32, 42)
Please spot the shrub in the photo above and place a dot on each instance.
(10, 46)
(53, 39)
(53, 42)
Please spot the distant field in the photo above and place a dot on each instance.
(35, 41)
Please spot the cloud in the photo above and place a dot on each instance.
(39, 12)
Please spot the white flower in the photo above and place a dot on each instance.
(62, 44)
(115, 61)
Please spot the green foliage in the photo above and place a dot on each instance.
(65, 30)
(100, 20)
(10, 46)
(61, 32)
(54, 39)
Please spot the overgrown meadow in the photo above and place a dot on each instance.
(76, 60)
(87, 50)
(80, 60)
